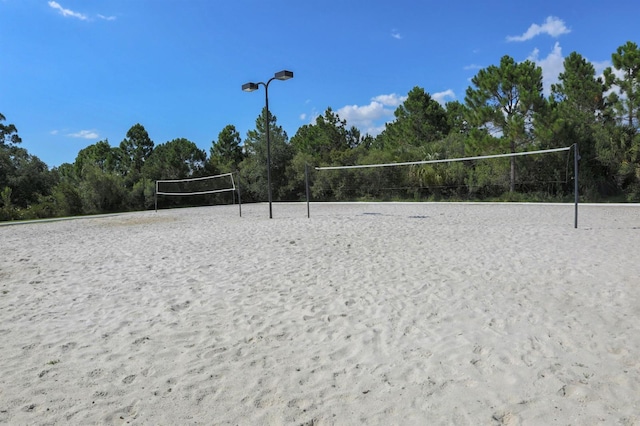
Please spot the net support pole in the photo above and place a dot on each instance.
(155, 197)
(306, 184)
(576, 158)
(239, 196)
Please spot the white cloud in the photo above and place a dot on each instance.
(85, 134)
(369, 119)
(374, 130)
(440, 97)
(365, 114)
(372, 118)
(366, 117)
(473, 67)
(552, 26)
(390, 100)
(67, 12)
(53, 132)
(551, 66)
(395, 34)
(600, 66)
(107, 18)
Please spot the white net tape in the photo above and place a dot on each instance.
(200, 183)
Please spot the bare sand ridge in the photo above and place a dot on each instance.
(364, 314)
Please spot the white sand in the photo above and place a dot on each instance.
(364, 314)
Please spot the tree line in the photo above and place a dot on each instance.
(504, 110)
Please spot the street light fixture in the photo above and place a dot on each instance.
(252, 87)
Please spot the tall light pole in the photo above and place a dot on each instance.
(251, 87)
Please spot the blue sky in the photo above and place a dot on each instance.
(73, 72)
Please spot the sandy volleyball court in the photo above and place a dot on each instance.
(367, 313)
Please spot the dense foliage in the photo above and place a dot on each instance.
(504, 111)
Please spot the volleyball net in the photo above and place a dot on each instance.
(423, 175)
(200, 186)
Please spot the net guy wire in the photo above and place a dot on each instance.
(449, 160)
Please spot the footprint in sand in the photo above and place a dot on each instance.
(129, 379)
(68, 346)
